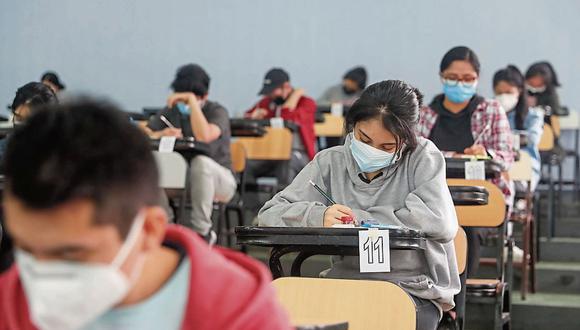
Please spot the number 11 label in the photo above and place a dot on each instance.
(373, 249)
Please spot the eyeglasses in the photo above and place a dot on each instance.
(465, 81)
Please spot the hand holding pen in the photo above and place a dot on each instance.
(478, 149)
(335, 213)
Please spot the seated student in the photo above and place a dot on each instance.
(52, 80)
(353, 83)
(27, 99)
(280, 99)
(461, 121)
(93, 251)
(541, 84)
(193, 115)
(510, 92)
(26, 102)
(383, 172)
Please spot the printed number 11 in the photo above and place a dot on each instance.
(370, 247)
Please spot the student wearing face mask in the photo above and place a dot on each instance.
(28, 99)
(93, 249)
(541, 84)
(189, 113)
(281, 99)
(383, 172)
(353, 83)
(455, 119)
(510, 92)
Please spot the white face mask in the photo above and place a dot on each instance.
(535, 90)
(68, 295)
(508, 101)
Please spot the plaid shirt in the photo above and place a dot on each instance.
(497, 140)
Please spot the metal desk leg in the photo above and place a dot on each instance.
(275, 264)
(297, 263)
(576, 161)
(551, 199)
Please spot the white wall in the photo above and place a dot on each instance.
(129, 49)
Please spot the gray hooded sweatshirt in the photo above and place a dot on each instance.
(412, 194)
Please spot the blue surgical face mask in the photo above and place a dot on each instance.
(183, 108)
(369, 159)
(460, 92)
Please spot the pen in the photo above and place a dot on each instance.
(328, 198)
(167, 122)
(485, 129)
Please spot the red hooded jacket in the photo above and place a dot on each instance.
(303, 115)
(227, 290)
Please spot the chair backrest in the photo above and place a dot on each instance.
(460, 242)
(238, 154)
(333, 126)
(172, 170)
(522, 169)
(547, 139)
(363, 304)
(276, 144)
(555, 123)
(490, 215)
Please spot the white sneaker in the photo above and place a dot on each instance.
(518, 254)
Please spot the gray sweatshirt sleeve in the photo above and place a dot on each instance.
(429, 207)
(299, 205)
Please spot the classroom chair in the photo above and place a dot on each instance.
(572, 123)
(236, 205)
(174, 179)
(331, 127)
(492, 215)
(460, 242)
(522, 171)
(275, 146)
(363, 304)
(552, 156)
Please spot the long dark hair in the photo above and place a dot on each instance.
(460, 53)
(545, 70)
(513, 76)
(397, 105)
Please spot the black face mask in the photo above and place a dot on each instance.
(279, 100)
(348, 91)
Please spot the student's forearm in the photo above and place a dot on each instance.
(151, 133)
(292, 101)
(202, 130)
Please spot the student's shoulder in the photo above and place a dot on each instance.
(490, 106)
(426, 151)
(535, 113)
(215, 106)
(307, 100)
(238, 284)
(330, 155)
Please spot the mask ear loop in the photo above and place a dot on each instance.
(130, 240)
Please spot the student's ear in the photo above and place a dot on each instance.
(203, 98)
(154, 227)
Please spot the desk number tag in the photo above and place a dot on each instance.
(277, 122)
(167, 143)
(373, 249)
(474, 170)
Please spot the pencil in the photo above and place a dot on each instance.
(328, 198)
(167, 122)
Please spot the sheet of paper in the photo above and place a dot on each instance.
(374, 253)
(336, 109)
(475, 170)
(167, 143)
(277, 122)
